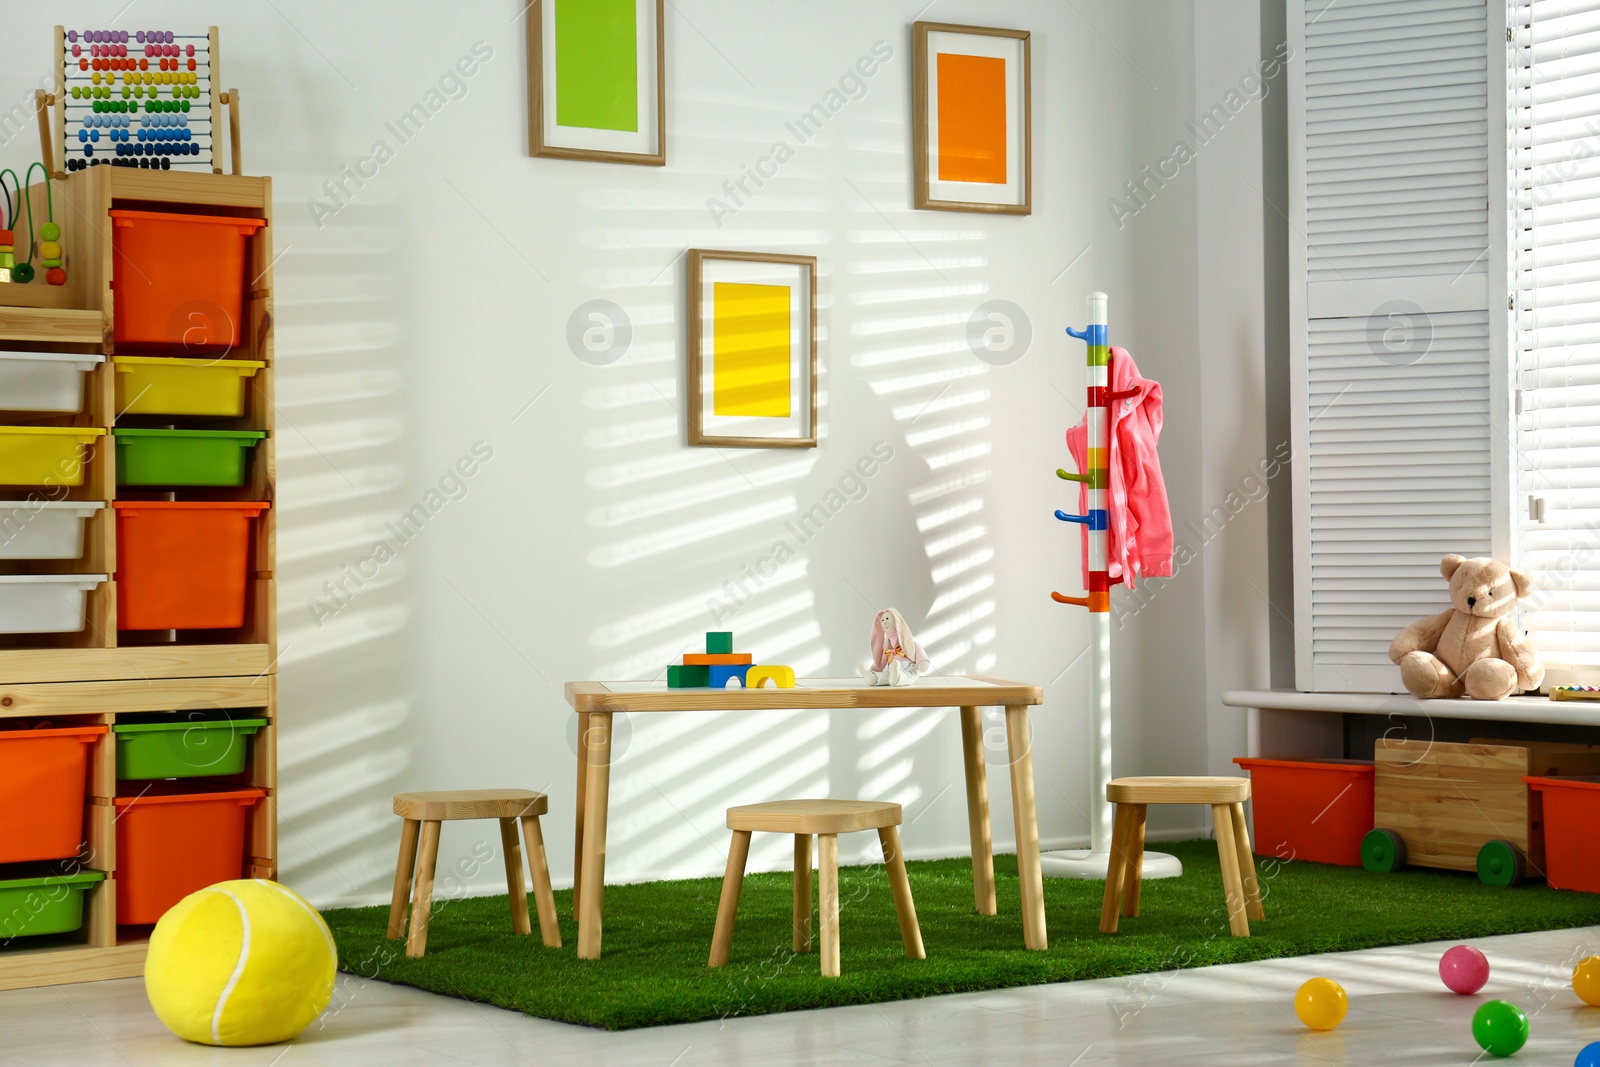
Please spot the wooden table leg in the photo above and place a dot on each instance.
(1247, 865)
(728, 903)
(511, 848)
(1232, 883)
(596, 795)
(577, 833)
(978, 810)
(802, 893)
(1026, 816)
(1135, 859)
(403, 871)
(1116, 871)
(422, 890)
(905, 908)
(539, 870)
(828, 901)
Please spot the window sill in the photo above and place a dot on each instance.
(1512, 709)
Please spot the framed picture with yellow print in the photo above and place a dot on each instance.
(752, 350)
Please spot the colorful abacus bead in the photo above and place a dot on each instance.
(56, 276)
(8, 259)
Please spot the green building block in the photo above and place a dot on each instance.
(688, 676)
(719, 641)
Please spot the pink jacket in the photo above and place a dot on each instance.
(1139, 527)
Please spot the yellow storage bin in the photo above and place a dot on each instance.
(45, 455)
(162, 385)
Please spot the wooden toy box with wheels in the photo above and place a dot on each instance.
(1465, 807)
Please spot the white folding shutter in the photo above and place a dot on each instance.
(1397, 345)
(1556, 168)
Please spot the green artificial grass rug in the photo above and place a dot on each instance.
(658, 935)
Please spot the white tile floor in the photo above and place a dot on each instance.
(1239, 1015)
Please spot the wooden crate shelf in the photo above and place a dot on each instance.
(101, 672)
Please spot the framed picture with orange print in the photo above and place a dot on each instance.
(972, 126)
(752, 375)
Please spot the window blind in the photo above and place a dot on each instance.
(1556, 212)
(1395, 112)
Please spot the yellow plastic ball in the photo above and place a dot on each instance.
(1321, 1004)
(50, 249)
(1586, 980)
(240, 963)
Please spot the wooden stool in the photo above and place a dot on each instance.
(1226, 797)
(423, 812)
(827, 819)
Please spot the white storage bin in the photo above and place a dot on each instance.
(45, 603)
(44, 381)
(44, 529)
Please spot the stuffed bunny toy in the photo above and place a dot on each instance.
(897, 659)
(1473, 648)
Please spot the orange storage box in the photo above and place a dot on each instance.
(1316, 810)
(174, 839)
(179, 280)
(41, 791)
(1571, 816)
(183, 564)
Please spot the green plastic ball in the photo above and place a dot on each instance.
(1500, 1027)
(50, 232)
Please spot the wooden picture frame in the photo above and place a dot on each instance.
(964, 165)
(598, 109)
(745, 406)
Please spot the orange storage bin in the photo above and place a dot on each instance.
(174, 839)
(182, 564)
(178, 280)
(42, 789)
(1571, 831)
(1316, 810)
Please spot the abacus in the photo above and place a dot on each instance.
(149, 99)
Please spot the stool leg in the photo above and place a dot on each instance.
(828, 901)
(1116, 870)
(422, 890)
(403, 870)
(1247, 865)
(544, 897)
(728, 906)
(802, 893)
(904, 908)
(1135, 875)
(512, 850)
(1232, 882)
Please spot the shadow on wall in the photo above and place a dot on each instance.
(344, 656)
(691, 539)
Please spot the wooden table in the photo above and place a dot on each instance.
(597, 702)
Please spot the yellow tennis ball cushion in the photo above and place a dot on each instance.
(240, 963)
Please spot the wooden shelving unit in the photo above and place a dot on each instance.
(99, 674)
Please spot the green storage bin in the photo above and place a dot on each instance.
(43, 903)
(184, 748)
(184, 457)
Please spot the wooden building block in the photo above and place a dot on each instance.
(743, 659)
(719, 641)
(722, 673)
(781, 677)
(688, 676)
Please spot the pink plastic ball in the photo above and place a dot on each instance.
(1464, 969)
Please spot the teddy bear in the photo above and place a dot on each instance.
(1473, 648)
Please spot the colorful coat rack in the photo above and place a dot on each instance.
(1093, 861)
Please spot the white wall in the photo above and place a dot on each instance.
(427, 316)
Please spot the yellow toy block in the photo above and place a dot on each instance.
(760, 675)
